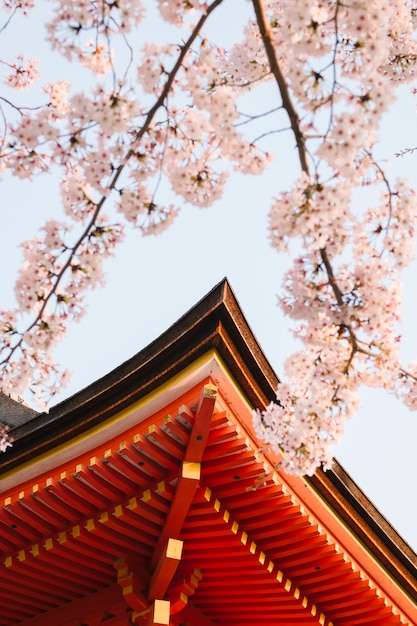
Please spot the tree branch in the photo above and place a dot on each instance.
(132, 150)
(266, 36)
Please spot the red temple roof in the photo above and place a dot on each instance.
(146, 499)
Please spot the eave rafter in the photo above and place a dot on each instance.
(282, 580)
(85, 513)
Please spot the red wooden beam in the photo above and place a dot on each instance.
(73, 610)
(190, 472)
(201, 427)
(165, 570)
(186, 488)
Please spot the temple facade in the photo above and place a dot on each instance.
(146, 499)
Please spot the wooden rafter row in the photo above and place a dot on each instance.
(270, 566)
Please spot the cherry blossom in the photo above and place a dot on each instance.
(171, 115)
(23, 73)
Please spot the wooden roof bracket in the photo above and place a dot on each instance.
(150, 606)
(190, 473)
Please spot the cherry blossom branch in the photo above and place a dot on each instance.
(332, 281)
(405, 151)
(9, 19)
(277, 131)
(165, 91)
(287, 104)
(250, 118)
(408, 374)
(112, 184)
(339, 299)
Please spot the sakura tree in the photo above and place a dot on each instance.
(171, 112)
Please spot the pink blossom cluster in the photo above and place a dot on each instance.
(24, 72)
(22, 5)
(158, 116)
(5, 440)
(82, 30)
(347, 311)
(177, 11)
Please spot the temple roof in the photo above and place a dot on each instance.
(216, 321)
(149, 486)
(14, 412)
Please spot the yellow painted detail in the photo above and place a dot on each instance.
(313, 610)
(280, 576)
(160, 487)
(90, 525)
(76, 532)
(8, 561)
(7, 501)
(262, 558)
(118, 510)
(21, 495)
(226, 516)
(48, 481)
(62, 537)
(217, 505)
(304, 603)
(296, 593)
(146, 495)
(136, 438)
(210, 391)
(133, 503)
(288, 584)
(174, 549)
(191, 469)
(35, 488)
(104, 517)
(322, 619)
(78, 468)
(35, 549)
(21, 555)
(207, 494)
(122, 445)
(152, 428)
(252, 548)
(161, 612)
(107, 453)
(49, 543)
(235, 527)
(63, 475)
(244, 538)
(270, 566)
